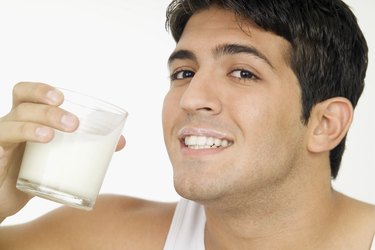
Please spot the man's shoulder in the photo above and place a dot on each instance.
(130, 222)
(131, 206)
(116, 222)
(358, 210)
(358, 220)
(133, 214)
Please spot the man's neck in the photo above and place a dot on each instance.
(283, 217)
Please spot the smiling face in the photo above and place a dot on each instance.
(232, 117)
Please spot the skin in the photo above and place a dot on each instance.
(250, 112)
(269, 189)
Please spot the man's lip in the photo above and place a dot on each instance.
(188, 131)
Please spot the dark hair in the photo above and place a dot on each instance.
(328, 50)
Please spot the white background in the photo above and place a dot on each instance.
(117, 50)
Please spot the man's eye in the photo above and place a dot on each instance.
(243, 74)
(182, 74)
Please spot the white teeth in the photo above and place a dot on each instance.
(201, 142)
(217, 142)
(210, 141)
(224, 143)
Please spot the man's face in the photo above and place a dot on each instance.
(232, 117)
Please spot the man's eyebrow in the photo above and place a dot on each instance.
(181, 54)
(232, 49)
(224, 49)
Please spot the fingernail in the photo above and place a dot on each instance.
(54, 96)
(69, 121)
(42, 132)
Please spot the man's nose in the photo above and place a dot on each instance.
(201, 95)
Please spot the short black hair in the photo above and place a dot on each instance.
(329, 53)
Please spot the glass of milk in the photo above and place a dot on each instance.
(70, 169)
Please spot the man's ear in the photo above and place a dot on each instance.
(329, 121)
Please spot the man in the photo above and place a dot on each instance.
(261, 99)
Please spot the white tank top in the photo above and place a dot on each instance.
(187, 227)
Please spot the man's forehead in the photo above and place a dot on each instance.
(227, 28)
(212, 18)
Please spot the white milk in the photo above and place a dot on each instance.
(72, 163)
